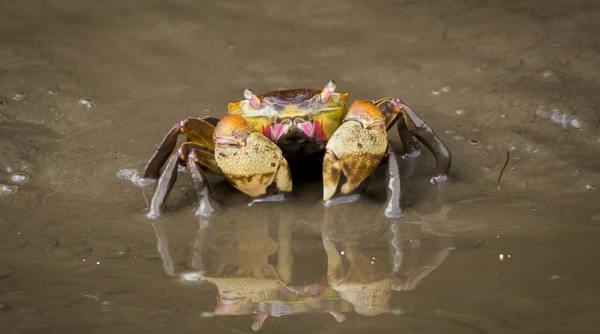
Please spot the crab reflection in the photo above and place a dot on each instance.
(364, 265)
(251, 262)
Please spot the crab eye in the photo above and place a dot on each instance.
(252, 98)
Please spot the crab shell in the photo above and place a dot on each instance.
(308, 113)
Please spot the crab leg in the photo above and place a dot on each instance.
(164, 150)
(393, 208)
(410, 124)
(425, 135)
(198, 130)
(392, 113)
(164, 185)
(206, 205)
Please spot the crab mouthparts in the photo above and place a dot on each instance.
(311, 129)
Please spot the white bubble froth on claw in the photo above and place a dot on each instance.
(132, 176)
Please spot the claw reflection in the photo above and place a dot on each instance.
(251, 263)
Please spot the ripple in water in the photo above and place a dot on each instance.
(132, 176)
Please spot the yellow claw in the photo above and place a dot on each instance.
(249, 160)
(355, 149)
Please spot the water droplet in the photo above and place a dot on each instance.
(86, 102)
(6, 189)
(19, 177)
(19, 96)
(501, 257)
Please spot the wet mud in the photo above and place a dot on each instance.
(508, 244)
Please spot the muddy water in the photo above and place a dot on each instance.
(88, 89)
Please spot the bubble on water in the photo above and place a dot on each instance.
(559, 117)
(459, 137)
(86, 102)
(50, 92)
(6, 189)
(191, 276)
(19, 177)
(547, 73)
(577, 124)
(207, 314)
(442, 90)
(132, 176)
(459, 112)
(532, 149)
(19, 96)
(589, 187)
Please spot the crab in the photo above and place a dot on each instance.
(252, 145)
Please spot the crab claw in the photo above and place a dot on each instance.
(250, 96)
(249, 160)
(327, 91)
(355, 149)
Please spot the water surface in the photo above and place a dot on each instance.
(88, 89)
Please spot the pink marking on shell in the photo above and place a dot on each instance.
(319, 134)
(278, 130)
(308, 128)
